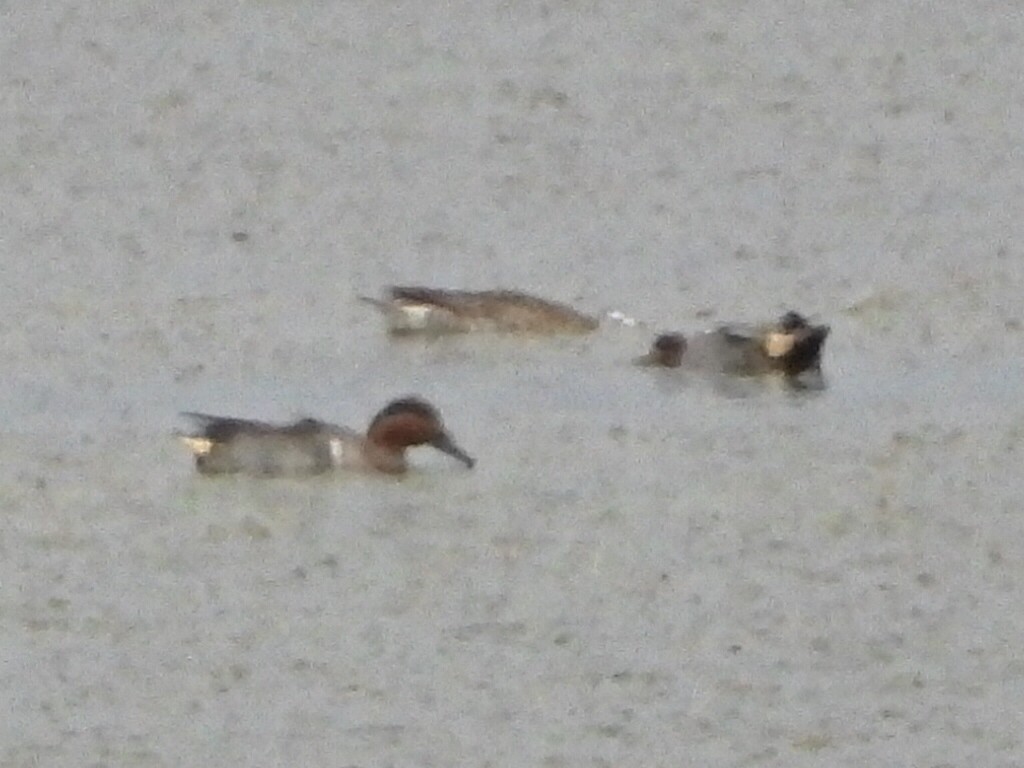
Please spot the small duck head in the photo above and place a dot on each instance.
(409, 422)
(666, 351)
(793, 345)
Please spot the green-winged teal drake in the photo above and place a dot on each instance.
(306, 447)
(416, 310)
(791, 345)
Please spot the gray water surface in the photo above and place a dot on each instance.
(645, 568)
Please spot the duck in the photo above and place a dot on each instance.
(790, 345)
(227, 445)
(434, 311)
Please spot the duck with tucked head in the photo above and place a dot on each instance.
(307, 447)
(791, 345)
(417, 310)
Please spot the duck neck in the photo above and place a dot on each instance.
(385, 459)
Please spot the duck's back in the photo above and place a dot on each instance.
(728, 349)
(500, 310)
(304, 448)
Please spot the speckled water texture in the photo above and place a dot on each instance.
(646, 568)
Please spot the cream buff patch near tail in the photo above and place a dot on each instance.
(778, 345)
(200, 446)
